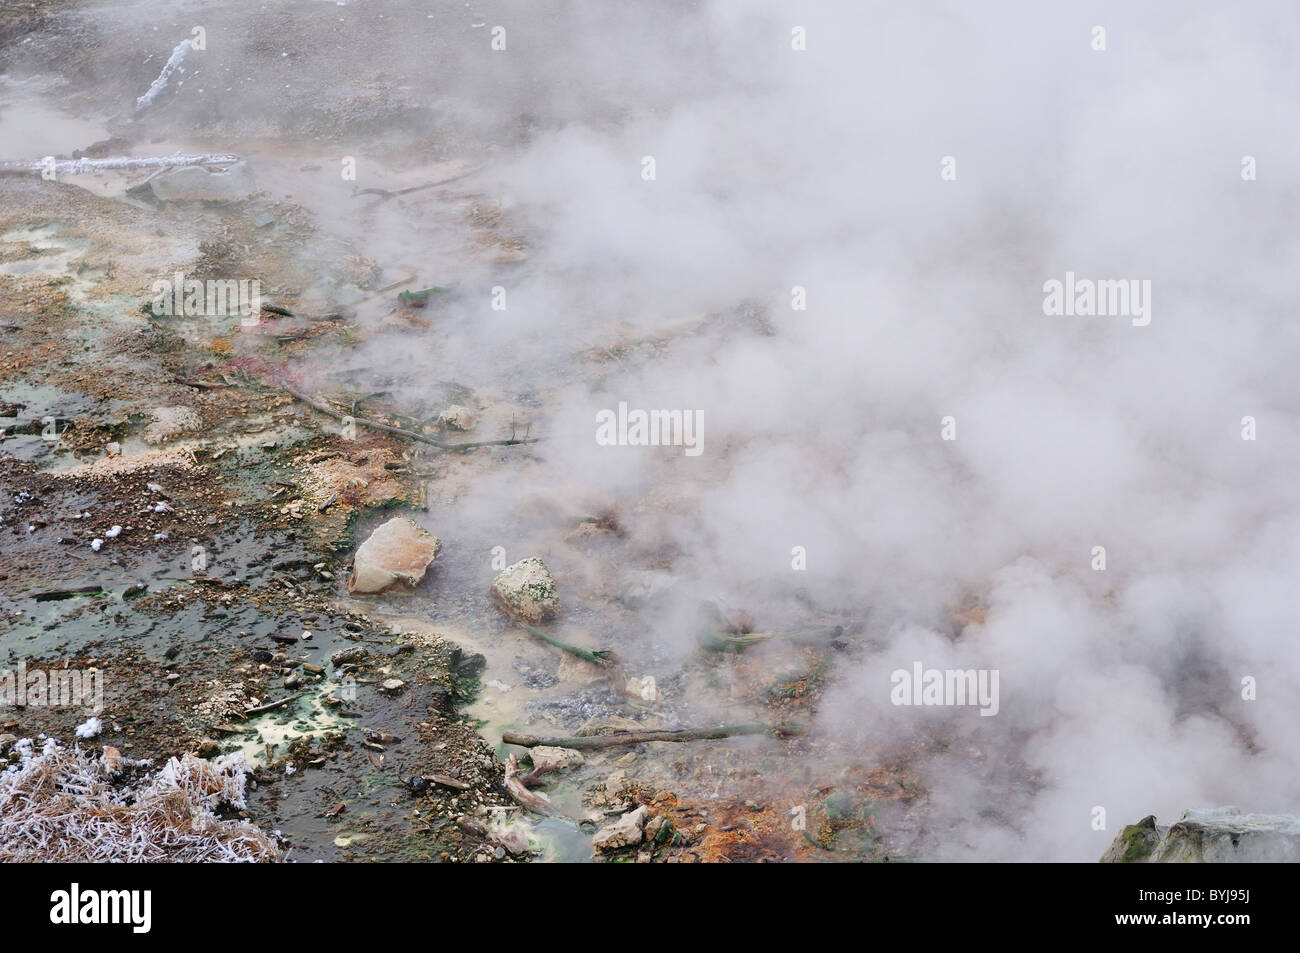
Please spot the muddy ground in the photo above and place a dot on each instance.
(238, 507)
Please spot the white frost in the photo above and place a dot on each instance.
(173, 62)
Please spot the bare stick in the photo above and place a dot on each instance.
(271, 706)
(398, 431)
(64, 167)
(620, 738)
(389, 193)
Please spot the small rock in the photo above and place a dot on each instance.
(457, 417)
(580, 672)
(392, 685)
(643, 688)
(354, 653)
(399, 551)
(195, 183)
(112, 760)
(660, 830)
(549, 758)
(526, 591)
(627, 831)
(608, 725)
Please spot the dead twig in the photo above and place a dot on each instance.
(447, 782)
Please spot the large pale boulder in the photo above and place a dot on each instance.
(526, 591)
(398, 552)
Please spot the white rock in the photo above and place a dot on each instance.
(457, 417)
(643, 688)
(399, 551)
(549, 758)
(526, 591)
(627, 831)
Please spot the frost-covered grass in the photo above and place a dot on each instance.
(60, 804)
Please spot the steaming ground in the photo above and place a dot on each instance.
(1120, 689)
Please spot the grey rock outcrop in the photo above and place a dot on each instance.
(1214, 836)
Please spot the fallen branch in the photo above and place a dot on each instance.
(284, 312)
(715, 641)
(389, 193)
(533, 801)
(599, 656)
(619, 738)
(398, 431)
(67, 593)
(418, 299)
(271, 706)
(173, 63)
(113, 164)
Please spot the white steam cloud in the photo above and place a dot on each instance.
(822, 169)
